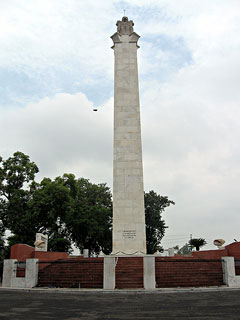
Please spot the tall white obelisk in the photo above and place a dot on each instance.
(129, 232)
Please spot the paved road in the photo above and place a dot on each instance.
(22, 304)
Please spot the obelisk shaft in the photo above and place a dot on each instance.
(129, 235)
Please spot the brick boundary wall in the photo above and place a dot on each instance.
(129, 273)
(72, 273)
(172, 272)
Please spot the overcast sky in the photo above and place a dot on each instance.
(56, 65)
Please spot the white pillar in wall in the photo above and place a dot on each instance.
(229, 274)
(109, 273)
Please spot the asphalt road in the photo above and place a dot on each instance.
(22, 304)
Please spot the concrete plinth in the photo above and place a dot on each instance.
(109, 273)
(10, 278)
(149, 272)
(229, 274)
(9, 272)
(31, 278)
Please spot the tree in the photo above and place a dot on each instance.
(90, 221)
(16, 187)
(197, 243)
(14, 173)
(2, 253)
(155, 226)
(27, 207)
(69, 210)
(48, 209)
(186, 249)
(59, 242)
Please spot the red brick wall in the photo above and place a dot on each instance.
(210, 254)
(51, 256)
(89, 273)
(172, 272)
(231, 250)
(21, 252)
(129, 272)
(72, 273)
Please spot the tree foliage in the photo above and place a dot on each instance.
(67, 209)
(16, 187)
(155, 225)
(184, 250)
(2, 254)
(27, 207)
(49, 207)
(90, 217)
(197, 243)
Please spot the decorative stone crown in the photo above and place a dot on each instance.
(125, 26)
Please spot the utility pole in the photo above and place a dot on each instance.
(190, 242)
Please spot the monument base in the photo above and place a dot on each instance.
(126, 254)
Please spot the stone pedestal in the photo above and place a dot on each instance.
(129, 235)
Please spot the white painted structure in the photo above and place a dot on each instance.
(229, 274)
(109, 273)
(149, 275)
(10, 278)
(129, 234)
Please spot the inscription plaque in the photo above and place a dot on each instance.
(129, 234)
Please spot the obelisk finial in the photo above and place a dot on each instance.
(125, 27)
